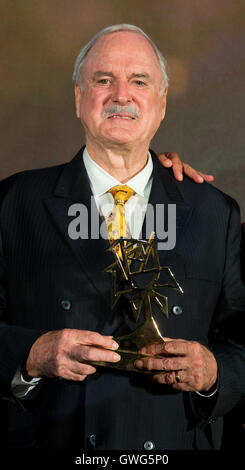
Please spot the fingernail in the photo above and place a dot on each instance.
(115, 346)
(143, 350)
(139, 364)
(116, 357)
(200, 178)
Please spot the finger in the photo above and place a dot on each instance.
(206, 177)
(96, 339)
(87, 354)
(172, 156)
(184, 381)
(82, 368)
(165, 348)
(153, 349)
(176, 163)
(149, 363)
(166, 340)
(178, 167)
(192, 173)
(157, 348)
(167, 378)
(163, 364)
(175, 363)
(169, 159)
(73, 370)
(178, 347)
(197, 176)
(164, 159)
(179, 379)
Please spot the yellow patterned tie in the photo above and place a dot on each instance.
(116, 223)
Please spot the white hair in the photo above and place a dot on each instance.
(77, 72)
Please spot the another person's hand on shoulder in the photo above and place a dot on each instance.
(172, 159)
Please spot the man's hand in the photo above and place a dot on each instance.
(194, 365)
(171, 159)
(63, 354)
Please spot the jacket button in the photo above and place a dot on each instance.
(149, 445)
(177, 310)
(92, 440)
(66, 304)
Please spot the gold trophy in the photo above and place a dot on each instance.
(139, 269)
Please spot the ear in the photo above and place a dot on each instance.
(78, 95)
(164, 102)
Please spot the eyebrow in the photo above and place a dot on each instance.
(101, 73)
(140, 75)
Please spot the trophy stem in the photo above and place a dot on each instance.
(129, 345)
(139, 272)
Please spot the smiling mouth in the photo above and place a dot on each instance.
(120, 116)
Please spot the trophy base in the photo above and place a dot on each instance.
(126, 362)
(129, 346)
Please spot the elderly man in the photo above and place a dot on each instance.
(55, 309)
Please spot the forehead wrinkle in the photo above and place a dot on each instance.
(107, 45)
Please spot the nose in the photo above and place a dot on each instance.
(121, 93)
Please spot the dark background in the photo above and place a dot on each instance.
(202, 40)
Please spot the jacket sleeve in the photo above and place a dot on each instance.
(15, 341)
(227, 333)
(243, 253)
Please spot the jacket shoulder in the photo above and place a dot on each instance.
(206, 194)
(30, 181)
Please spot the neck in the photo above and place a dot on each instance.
(120, 162)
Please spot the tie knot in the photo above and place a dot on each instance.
(121, 193)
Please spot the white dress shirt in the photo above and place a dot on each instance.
(135, 207)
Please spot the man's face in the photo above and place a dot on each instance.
(120, 102)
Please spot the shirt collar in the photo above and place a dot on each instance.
(101, 181)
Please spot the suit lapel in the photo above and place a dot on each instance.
(73, 188)
(165, 191)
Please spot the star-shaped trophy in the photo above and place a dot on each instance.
(135, 274)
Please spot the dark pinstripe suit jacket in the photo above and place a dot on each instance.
(41, 267)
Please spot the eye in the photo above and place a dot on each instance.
(104, 81)
(140, 83)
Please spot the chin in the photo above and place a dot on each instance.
(120, 136)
